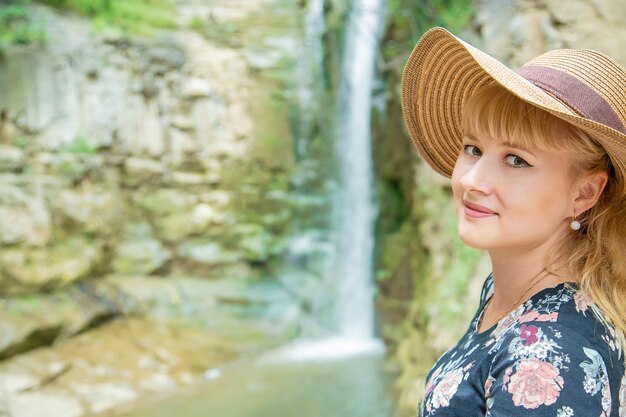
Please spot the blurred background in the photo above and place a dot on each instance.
(212, 207)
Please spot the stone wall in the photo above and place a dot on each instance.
(116, 149)
(517, 30)
(171, 179)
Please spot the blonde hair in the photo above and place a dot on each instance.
(595, 254)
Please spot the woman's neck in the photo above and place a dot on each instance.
(514, 272)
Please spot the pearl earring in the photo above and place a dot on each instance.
(575, 224)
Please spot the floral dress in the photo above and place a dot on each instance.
(549, 357)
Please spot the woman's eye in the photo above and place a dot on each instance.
(516, 162)
(471, 150)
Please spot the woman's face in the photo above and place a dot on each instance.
(508, 198)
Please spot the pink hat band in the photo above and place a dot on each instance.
(577, 95)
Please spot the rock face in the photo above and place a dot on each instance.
(150, 177)
(119, 155)
(517, 30)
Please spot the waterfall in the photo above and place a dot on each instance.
(350, 261)
(357, 211)
(309, 74)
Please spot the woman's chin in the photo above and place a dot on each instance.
(474, 239)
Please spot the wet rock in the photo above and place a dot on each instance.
(24, 218)
(256, 243)
(166, 56)
(216, 198)
(175, 227)
(188, 178)
(72, 168)
(37, 269)
(21, 333)
(31, 321)
(181, 122)
(37, 404)
(196, 88)
(208, 253)
(91, 209)
(16, 382)
(141, 256)
(105, 396)
(12, 159)
(143, 171)
(166, 201)
(182, 148)
(516, 30)
(158, 382)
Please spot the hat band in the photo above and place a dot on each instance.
(580, 97)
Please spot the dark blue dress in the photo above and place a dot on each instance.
(549, 357)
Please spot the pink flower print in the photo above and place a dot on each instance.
(505, 323)
(488, 385)
(548, 317)
(535, 383)
(529, 334)
(431, 380)
(446, 388)
(530, 316)
(536, 316)
(507, 375)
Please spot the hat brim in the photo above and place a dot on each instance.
(440, 75)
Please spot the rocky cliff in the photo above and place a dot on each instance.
(164, 180)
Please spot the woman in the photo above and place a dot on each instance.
(537, 159)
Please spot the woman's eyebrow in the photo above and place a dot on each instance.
(515, 146)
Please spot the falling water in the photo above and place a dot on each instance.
(353, 332)
(309, 73)
(357, 212)
(324, 378)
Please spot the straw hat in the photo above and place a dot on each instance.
(585, 88)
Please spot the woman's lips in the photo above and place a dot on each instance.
(475, 210)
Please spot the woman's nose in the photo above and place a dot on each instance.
(479, 176)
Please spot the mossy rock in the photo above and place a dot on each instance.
(140, 256)
(32, 270)
(166, 201)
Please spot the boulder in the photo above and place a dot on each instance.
(166, 201)
(91, 209)
(12, 159)
(255, 242)
(36, 404)
(178, 226)
(28, 270)
(104, 396)
(24, 218)
(206, 253)
(141, 171)
(196, 88)
(30, 321)
(140, 256)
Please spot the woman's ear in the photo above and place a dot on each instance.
(589, 190)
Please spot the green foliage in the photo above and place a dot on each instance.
(409, 19)
(17, 26)
(80, 146)
(221, 32)
(21, 142)
(127, 16)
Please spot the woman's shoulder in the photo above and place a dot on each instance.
(555, 354)
(560, 325)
